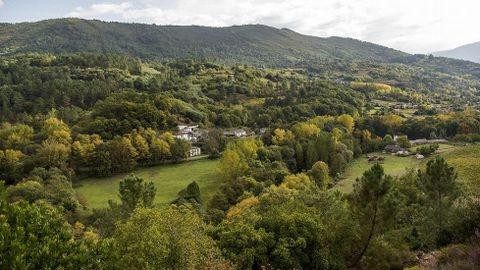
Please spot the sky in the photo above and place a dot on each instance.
(414, 26)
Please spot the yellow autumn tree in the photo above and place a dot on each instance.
(84, 147)
(281, 136)
(141, 145)
(393, 121)
(298, 181)
(347, 121)
(242, 206)
(305, 130)
(232, 165)
(54, 129)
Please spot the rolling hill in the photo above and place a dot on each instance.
(252, 44)
(469, 52)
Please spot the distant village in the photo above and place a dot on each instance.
(193, 134)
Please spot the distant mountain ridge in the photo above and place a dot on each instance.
(469, 52)
(252, 44)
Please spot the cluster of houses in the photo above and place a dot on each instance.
(192, 134)
(401, 152)
(396, 150)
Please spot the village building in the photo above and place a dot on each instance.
(188, 133)
(239, 133)
(194, 151)
(392, 148)
(397, 150)
(403, 153)
(418, 156)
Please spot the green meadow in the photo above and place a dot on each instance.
(169, 180)
(396, 166)
(393, 165)
(466, 161)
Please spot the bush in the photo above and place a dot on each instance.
(427, 150)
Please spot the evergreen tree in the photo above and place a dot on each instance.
(133, 192)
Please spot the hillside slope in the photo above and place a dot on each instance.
(252, 44)
(469, 52)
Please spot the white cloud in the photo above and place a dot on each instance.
(409, 25)
(1, 3)
(101, 9)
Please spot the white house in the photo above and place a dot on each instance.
(418, 156)
(194, 151)
(185, 128)
(188, 133)
(186, 136)
(240, 133)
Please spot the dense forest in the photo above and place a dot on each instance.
(68, 116)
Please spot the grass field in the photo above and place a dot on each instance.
(467, 162)
(169, 180)
(393, 165)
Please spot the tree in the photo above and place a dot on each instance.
(180, 150)
(47, 185)
(141, 145)
(160, 150)
(427, 150)
(232, 165)
(404, 142)
(29, 191)
(190, 194)
(15, 136)
(11, 165)
(171, 238)
(388, 139)
(319, 173)
(56, 130)
(102, 161)
(84, 150)
(393, 122)
(299, 181)
(36, 236)
(280, 136)
(305, 130)
(168, 137)
(347, 121)
(215, 142)
(122, 154)
(439, 184)
(53, 154)
(369, 198)
(133, 191)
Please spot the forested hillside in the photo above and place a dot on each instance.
(254, 44)
(334, 58)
